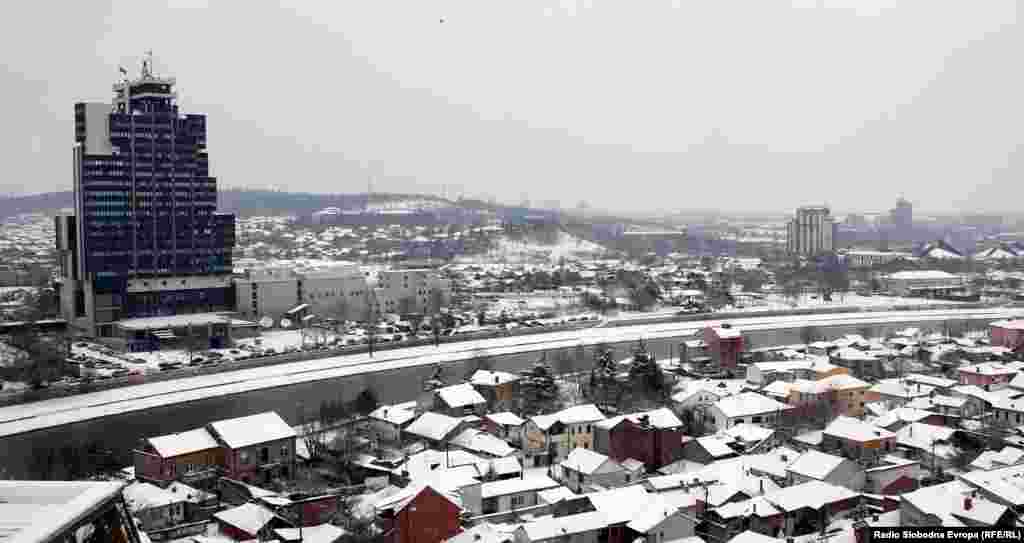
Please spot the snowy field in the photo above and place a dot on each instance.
(567, 246)
(779, 302)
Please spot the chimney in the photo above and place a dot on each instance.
(968, 503)
(495, 379)
(761, 485)
(476, 537)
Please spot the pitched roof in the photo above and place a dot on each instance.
(902, 414)
(620, 504)
(662, 418)
(246, 431)
(324, 533)
(433, 426)
(751, 536)
(516, 485)
(813, 494)
(248, 517)
(947, 501)
(477, 441)
(586, 461)
(717, 446)
(574, 415)
(749, 403)
(491, 378)
(854, 430)
(397, 414)
(483, 532)
(988, 460)
(654, 512)
(552, 527)
(460, 395)
(171, 445)
(140, 496)
(816, 465)
(506, 418)
(754, 506)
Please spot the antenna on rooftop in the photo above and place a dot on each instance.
(147, 65)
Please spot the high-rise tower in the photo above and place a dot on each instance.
(811, 232)
(145, 238)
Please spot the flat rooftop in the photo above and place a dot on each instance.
(174, 321)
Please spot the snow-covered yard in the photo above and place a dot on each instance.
(567, 246)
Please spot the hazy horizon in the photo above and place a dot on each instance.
(630, 106)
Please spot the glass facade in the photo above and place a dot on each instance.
(147, 205)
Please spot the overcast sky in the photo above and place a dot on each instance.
(630, 105)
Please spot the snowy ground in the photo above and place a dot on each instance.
(568, 246)
(777, 301)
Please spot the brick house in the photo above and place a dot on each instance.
(257, 447)
(654, 438)
(987, 375)
(724, 345)
(193, 457)
(497, 387)
(1008, 333)
(419, 514)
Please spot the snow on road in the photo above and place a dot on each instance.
(66, 410)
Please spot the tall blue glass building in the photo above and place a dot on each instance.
(146, 238)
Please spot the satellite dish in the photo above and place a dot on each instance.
(285, 323)
(267, 322)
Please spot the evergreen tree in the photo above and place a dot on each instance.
(605, 389)
(646, 376)
(538, 389)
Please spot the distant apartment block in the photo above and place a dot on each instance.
(867, 259)
(337, 291)
(811, 232)
(145, 238)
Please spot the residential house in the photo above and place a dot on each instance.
(483, 532)
(459, 401)
(856, 439)
(491, 497)
(750, 437)
(1008, 333)
(193, 456)
(247, 522)
(834, 470)
(860, 363)
(506, 425)
(724, 345)
(941, 384)
(548, 439)
(419, 514)
(809, 367)
(952, 504)
(1007, 413)
(749, 407)
(585, 469)
(659, 521)
(387, 421)
(933, 445)
(323, 533)
(897, 393)
(435, 429)
(481, 443)
(199, 504)
(950, 409)
(499, 388)
(839, 394)
(897, 418)
(155, 507)
(756, 515)
(708, 449)
(988, 375)
(654, 438)
(806, 507)
(587, 527)
(893, 476)
(257, 447)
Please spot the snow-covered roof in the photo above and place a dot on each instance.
(516, 485)
(656, 510)
(754, 506)
(173, 321)
(171, 445)
(552, 527)
(431, 425)
(930, 380)
(188, 493)
(749, 433)
(484, 532)
(749, 403)
(248, 517)
(32, 511)
(1007, 484)
(921, 274)
(397, 414)
(505, 418)
(141, 496)
(988, 460)
(816, 465)
(580, 414)
(949, 502)
(988, 368)
(852, 429)
(902, 414)
(587, 461)
(324, 533)
(779, 389)
(901, 389)
(477, 441)
(492, 378)
(506, 465)
(246, 431)
(919, 435)
(662, 418)
(751, 536)
(620, 504)
(812, 494)
(556, 494)
(717, 446)
(460, 395)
